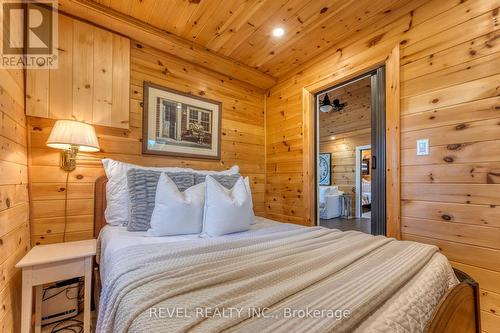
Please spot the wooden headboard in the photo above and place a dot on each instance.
(99, 204)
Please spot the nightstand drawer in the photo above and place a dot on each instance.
(58, 271)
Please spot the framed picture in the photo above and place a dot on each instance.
(179, 124)
(325, 162)
(365, 166)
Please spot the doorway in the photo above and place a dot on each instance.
(350, 154)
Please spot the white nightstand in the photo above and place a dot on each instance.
(51, 263)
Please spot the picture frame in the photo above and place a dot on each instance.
(180, 124)
(365, 166)
(325, 168)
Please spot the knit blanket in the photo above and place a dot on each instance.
(303, 280)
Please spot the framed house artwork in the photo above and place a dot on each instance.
(179, 124)
(325, 161)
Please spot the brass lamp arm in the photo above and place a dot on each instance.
(69, 158)
(87, 158)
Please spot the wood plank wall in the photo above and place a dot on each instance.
(91, 81)
(450, 93)
(14, 204)
(242, 144)
(343, 168)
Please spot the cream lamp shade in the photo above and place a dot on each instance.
(71, 133)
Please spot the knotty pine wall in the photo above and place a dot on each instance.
(91, 81)
(450, 93)
(14, 205)
(242, 144)
(343, 167)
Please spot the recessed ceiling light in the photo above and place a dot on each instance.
(332, 137)
(278, 32)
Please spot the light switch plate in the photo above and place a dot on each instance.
(422, 147)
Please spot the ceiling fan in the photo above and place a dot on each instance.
(327, 106)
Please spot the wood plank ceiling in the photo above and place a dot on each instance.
(242, 29)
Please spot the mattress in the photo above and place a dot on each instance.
(407, 310)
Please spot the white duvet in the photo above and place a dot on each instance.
(408, 310)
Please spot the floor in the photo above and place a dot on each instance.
(359, 224)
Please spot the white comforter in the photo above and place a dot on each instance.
(408, 310)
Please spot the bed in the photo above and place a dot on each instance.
(246, 282)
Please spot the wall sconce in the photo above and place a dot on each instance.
(72, 136)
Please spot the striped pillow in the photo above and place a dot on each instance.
(227, 181)
(142, 191)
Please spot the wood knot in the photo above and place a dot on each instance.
(61, 189)
(448, 159)
(374, 41)
(7, 202)
(446, 217)
(1, 241)
(454, 146)
(435, 100)
(36, 128)
(460, 127)
(79, 177)
(323, 10)
(87, 86)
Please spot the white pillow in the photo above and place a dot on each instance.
(226, 211)
(249, 190)
(175, 212)
(117, 197)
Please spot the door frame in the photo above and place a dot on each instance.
(359, 149)
(391, 60)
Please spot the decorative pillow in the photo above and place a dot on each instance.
(249, 190)
(176, 212)
(142, 191)
(226, 211)
(227, 181)
(117, 197)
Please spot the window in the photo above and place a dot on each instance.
(205, 121)
(201, 117)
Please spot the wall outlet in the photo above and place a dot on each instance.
(422, 147)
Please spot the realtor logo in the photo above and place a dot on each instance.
(29, 34)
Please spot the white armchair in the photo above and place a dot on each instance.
(329, 202)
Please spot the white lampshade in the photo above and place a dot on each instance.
(67, 133)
